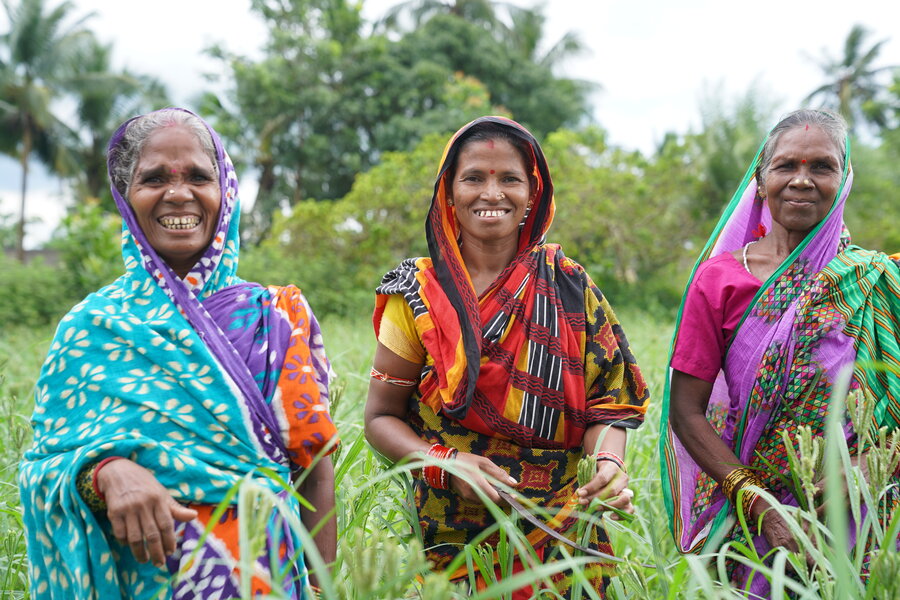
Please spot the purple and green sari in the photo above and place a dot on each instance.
(828, 305)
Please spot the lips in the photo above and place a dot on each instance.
(185, 222)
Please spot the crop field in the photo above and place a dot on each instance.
(379, 556)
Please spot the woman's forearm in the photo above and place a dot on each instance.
(611, 439)
(318, 488)
(393, 437)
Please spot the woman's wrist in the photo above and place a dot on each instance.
(433, 474)
(607, 455)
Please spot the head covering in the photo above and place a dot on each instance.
(802, 327)
(442, 233)
(539, 356)
(203, 381)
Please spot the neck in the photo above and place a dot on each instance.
(485, 262)
(782, 242)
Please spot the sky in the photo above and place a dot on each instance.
(654, 59)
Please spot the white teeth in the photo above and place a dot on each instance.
(179, 222)
(490, 213)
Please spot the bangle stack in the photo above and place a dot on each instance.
(434, 475)
(86, 482)
(735, 481)
(611, 457)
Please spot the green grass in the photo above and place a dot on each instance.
(379, 556)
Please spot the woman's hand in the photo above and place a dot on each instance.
(477, 467)
(610, 485)
(141, 510)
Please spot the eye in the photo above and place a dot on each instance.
(824, 166)
(513, 179)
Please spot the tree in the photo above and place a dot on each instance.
(853, 86)
(36, 52)
(103, 99)
(732, 130)
(412, 14)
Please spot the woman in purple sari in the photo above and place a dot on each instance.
(778, 304)
(164, 390)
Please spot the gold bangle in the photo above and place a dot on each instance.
(734, 481)
(84, 482)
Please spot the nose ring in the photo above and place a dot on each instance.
(501, 196)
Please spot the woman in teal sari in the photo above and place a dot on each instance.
(778, 304)
(168, 387)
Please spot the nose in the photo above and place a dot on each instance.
(802, 181)
(491, 192)
(178, 192)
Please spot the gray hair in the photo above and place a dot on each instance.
(832, 124)
(127, 153)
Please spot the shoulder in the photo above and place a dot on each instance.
(399, 279)
(723, 265)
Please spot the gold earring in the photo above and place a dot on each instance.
(449, 201)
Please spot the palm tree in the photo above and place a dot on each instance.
(527, 35)
(852, 85)
(35, 57)
(420, 11)
(103, 99)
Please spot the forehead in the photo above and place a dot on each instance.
(174, 142)
(494, 150)
(806, 141)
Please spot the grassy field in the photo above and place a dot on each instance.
(379, 557)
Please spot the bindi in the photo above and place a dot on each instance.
(173, 171)
(807, 127)
(490, 143)
(493, 171)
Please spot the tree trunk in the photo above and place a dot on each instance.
(20, 230)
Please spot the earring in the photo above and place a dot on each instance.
(449, 201)
(530, 203)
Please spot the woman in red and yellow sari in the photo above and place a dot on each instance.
(500, 352)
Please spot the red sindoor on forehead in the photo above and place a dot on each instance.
(490, 143)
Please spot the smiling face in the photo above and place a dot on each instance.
(490, 190)
(803, 177)
(175, 196)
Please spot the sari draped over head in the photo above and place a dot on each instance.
(203, 381)
(828, 304)
(518, 373)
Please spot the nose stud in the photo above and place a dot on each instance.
(171, 191)
(797, 181)
(501, 196)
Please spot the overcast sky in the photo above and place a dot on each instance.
(654, 59)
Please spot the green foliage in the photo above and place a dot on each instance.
(32, 294)
(611, 206)
(338, 251)
(90, 247)
(328, 99)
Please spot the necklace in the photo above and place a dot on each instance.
(745, 256)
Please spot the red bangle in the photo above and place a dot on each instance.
(434, 475)
(97, 468)
(611, 457)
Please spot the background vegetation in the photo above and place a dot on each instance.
(343, 121)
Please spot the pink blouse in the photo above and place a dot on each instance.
(717, 298)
